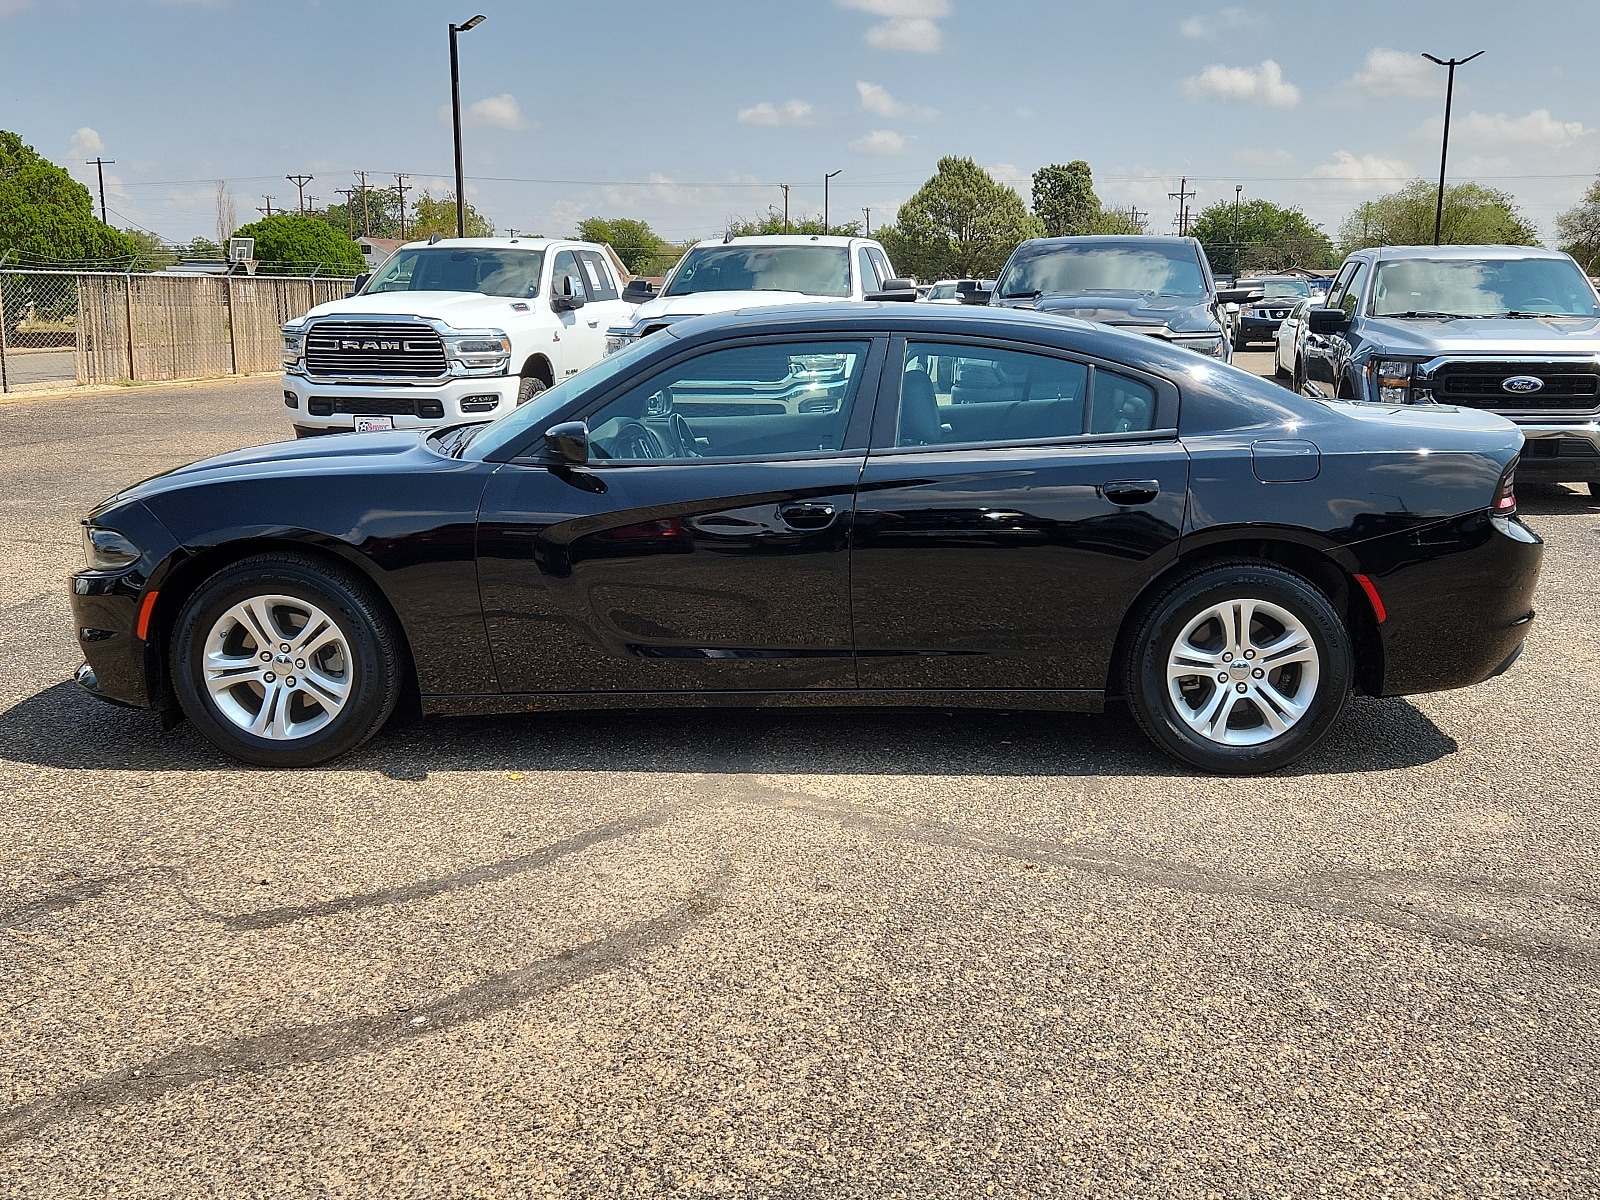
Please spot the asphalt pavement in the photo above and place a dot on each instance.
(783, 953)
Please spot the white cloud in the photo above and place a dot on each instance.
(1025, 113)
(1013, 176)
(1536, 128)
(1261, 157)
(10, 8)
(1210, 25)
(930, 9)
(915, 35)
(1255, 85)
(496, 112)
(85, 142)
(881, 141)
(1367, 170)
(790, 112)
(1387, 72)
(877, 101)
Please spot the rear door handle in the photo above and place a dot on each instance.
(806, 515)
(1131, 491)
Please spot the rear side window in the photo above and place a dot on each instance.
(596, 277)
(1122, 405)
(951, 393)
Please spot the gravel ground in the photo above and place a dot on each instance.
(785, 953)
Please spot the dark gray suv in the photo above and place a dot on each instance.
(1510, 329)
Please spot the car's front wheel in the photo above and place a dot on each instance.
(1239, 669)
(527, 388)
(285, 661)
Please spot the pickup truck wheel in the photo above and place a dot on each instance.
(285, 661)
(530, 387)
(1299, 378)
(1239, 669)
(1594, 488)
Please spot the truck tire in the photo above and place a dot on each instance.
(529, 387)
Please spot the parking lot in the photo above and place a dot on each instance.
(783, 953)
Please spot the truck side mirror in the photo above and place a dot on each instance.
(568, 294)
(975, 296)
(568, 443)
(638, 291)
(904, 290)
(360, 282)
(1327, 320)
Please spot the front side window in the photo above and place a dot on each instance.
(1482, 288)
(871, 281)
(1352, 294)
(1145, 266)
(776, 399)
(956, 394)
(809, 270)
(489, 272)
(880, 265)
(566, 265)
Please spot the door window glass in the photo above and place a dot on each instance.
(1336, 288)
(596, 277)
(961, 394)
(566, 264)
(782, 398)
(1122, 405)
(1352, 294)
(871, 281)
(880, 264)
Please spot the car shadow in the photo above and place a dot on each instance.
(65, 729)
(1554, 499)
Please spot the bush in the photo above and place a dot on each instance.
(299, 244)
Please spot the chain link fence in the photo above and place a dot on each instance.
(73, 328)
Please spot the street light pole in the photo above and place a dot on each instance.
(825, 180)
(455, 115)
(1444, 149)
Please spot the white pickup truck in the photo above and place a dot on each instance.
(724, 274)
(454, 330)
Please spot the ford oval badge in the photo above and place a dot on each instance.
(1522, 385)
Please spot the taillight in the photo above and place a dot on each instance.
(1505, 494)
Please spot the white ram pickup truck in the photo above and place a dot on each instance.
(724, 274)
(448, 331)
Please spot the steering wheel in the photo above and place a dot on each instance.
(683, 436)
(1527, 300)
(635, 439)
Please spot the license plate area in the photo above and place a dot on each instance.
(374, 424)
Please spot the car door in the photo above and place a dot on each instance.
(1013, 504)
(1319, 347)
(605, 293)
(583, 330)
(705, 545)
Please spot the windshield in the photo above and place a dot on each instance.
(536, 412)
(1482, 288)
(810, 270)
(490, 272)
(1276, 289)
(1152, 267)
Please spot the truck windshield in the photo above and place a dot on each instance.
(488, 271)
(1280, 289)
(1485, 287)
(809, 270)
(1147, 268)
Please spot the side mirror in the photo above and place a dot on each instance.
(1327, 320)
(1231, 309)
(360, 282)
(568, 443)
(568, 294)
(895, 289)
(975, 296)
(638, 291)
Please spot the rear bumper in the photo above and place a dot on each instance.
(1259, 328)
(1459, 596)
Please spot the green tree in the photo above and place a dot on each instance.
(373, 213)
(1579, 230)
(153, 253)
(299, 245)
(961, 223)
(1261, 236)
(1114, 220)
(46, 216)
(637, 245)
(771, 222)
(1064, 199)
(203, 249)
(1474, 215)
(430, 216)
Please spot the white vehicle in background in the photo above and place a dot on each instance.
(449, 331)
(1288, 344)
(723, 274)
(949, 291)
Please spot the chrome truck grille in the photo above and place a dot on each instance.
(373, 349)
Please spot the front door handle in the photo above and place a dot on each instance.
(807, 515)
(1131, 491)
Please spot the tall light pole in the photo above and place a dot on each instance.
(825, 180)
(1238, 190)
(1444, 149)
(455, 113)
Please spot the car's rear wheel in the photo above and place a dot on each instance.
(1277, 364)
(1239, 669)
(285, 661)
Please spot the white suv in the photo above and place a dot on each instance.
(449, 331)
(723, 274)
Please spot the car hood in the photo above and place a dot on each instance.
(703, 303)
(1170, 312)
(1483, 335)
(459, 310)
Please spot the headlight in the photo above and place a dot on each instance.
(108, 550)
(1392, 378)
(479, 351)
(1200, 343)
(294, 347)
(616, 341)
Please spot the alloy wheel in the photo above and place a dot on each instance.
(278, 667)
(1243, 672)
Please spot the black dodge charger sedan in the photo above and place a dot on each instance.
(858, 504)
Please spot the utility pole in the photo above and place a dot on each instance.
(1182, 196)
(868, 212)
(268, 208)
(825, 181)
(1444, 149)
(401, 188)
(366, 213)
(785, 188)
(1238, 190)
(100, 164)
(1136, 217)
(512, 232)
(300, 182)
(349, 208)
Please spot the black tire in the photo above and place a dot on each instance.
(528, 388)
(1594, 488)
(1240, 342)
(374, 674)
(1145, 673)
(1298, 380)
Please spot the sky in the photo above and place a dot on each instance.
(685, 113)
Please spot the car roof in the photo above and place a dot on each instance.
(1107, 239)
(783, 239)
(1392, 253)
(498, 243)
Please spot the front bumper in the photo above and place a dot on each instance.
(105, 614)
(319, 407)
(1559, 452)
